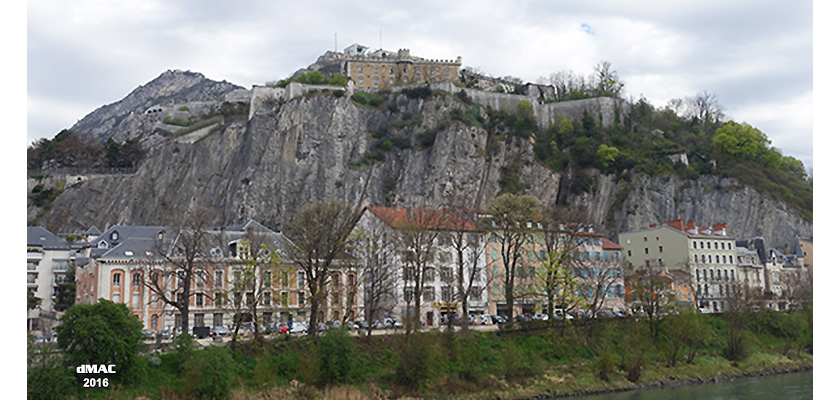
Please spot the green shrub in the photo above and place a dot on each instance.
(420, 92)
(209, 375)
(337, 357)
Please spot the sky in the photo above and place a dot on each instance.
(756, 57)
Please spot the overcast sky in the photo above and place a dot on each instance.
(755, 56)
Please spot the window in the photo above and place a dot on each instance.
(135, 300)
(446, 294)
(695, 245)
(217, 319)
(219, 300)
(494, 254)
(445, 274)
(717, 259)
(135, 280)
(219, 276)
(428, 293)
(249, 298)
(266, 299)
(730, 259)
(375, 69)
(301, 281)
(475, 293)
(115, 297)
(696, 258)
(429, 275)
(154, 322)
(701, 245)
(716, 245)
(115, 235)
(199, 319)
(646, 250)
(360, 69)
(199, 300)
(660, 249)
(117, 280)
(629, 253)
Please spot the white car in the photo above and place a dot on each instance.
(298, 327)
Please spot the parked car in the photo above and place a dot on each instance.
(361, 324)
(604, 314)
(392, 323)
(165, 334)
(298, 328)
(148, 335)
(521, 318)
(498, 319)
(322, 327)
(350, 325)
(540, 317)
(485, 319)
(379, 325)
(201, 332)
(220, 331)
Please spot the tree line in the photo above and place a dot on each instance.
(74, 150)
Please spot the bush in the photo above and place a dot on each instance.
(337, 357)
(421, 92)
(209, 375)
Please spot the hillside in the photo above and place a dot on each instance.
(266, 155)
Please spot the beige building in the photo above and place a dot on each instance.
(380, 69)
(597, 269)
(124, 258)
(708, 254)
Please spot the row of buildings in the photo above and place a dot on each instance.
(463, 269)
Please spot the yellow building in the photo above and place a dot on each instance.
(382, 69)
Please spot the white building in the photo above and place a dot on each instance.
(440, 286)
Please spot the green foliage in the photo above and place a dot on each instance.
(66, 296)
(179, 121)
(607, 155)
(337, 357)
(420, 92)
(102, 333)
(209, 375)
(47, 376)
(337, 80)
(183, 108)
(368, 99)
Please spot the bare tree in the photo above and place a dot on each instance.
(321, 237)
(179, 261)
(608, 82)
(705, 107)
(465, 238)
(374, 253)
(651, 295)
(417, 237)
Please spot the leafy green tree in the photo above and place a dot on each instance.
(102, 333)
(337, 79)
(607, 155)
(740, 141)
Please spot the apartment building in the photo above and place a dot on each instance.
(48, 258)
(442, 270)
(596, 266)
(128, 261)
(708, 254)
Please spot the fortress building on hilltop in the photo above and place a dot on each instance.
(379, 69)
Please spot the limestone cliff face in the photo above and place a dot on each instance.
(313, 148)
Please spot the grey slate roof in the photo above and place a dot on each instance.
(37, 236)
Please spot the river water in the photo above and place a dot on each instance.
(793, 386)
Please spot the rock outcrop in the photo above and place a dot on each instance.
(318, 147)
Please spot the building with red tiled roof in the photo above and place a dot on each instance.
(707, 253)
(440, 283)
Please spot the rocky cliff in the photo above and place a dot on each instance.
(325, 145)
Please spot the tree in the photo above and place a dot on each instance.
(741, 299)
(321, 237)
(374, 251)
(66, 296)
(650, 294)
(102, 333)
(685, 329)
(32, 302)
(261, 266)
(181, 259)
(608, 83)
(510, 217)
(465, 238)
(705, 108)
(555, 278)
(740, 141)
(417, 237)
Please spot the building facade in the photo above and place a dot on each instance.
(708, 254)
(228, 285)
(440, 282)
(380, 69)
(48, 258)
(595, 265)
